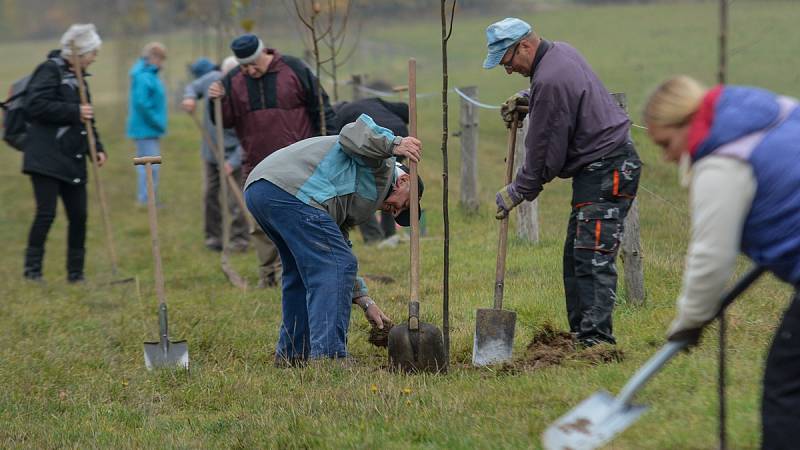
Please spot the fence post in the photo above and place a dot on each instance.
(527, 212)
(357, 80)
(469, 151)
(631, 246)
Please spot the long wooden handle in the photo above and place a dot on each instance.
(148, 162)
(87, 124)
(232, 184)
(223, 186)
(500, 272)
(414, 210)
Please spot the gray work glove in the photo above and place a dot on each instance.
(509, 106)
(506, 199)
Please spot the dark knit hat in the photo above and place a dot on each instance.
(246, 48)
(404, 218)
(201, 67)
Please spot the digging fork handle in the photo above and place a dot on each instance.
(148, 162)
(502, 242)
(672, 348)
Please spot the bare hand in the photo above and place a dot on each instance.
(410, 147)
(188, 105)
(87, 113)
(216, 90)
(101, 159)
(228, 168)
(376, 317)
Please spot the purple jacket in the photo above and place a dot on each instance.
(573, 121)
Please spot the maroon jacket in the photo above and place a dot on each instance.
(273, 111)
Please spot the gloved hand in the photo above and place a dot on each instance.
(506, 199)
(509, 106)
(690, 335)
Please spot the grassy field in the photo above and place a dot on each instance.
(71, 368)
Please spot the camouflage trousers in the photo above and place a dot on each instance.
(602, 193)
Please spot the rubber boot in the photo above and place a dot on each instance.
(75, 257)
(33, 263)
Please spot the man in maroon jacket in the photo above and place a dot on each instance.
(271, 101)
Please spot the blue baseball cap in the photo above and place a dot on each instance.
(201, 67)
(502, 35)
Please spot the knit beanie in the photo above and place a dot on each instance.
(246, 48)
(83, 35)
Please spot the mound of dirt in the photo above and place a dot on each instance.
(551, 347)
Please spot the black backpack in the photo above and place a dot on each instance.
(15, 124)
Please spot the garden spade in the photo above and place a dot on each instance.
(599, 418)
(494, 327)
(164, 353)
(415, 346)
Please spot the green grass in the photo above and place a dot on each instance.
(71, 356)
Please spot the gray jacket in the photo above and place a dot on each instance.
(348, 175)
(233, 150)
(573, 121)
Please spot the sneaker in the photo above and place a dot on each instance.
(213, 245)
(75, 278)
(390, 242)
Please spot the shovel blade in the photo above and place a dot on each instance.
(429, 354)
(591, 424)
(176, 355)
(494, 337)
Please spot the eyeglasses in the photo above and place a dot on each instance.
(507, 64)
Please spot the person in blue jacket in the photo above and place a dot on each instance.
(743, 147)
(147, 111)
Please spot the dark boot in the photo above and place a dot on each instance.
(75, 257)
(33, 263)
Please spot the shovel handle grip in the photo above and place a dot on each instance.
(502, 241)
(146, 160)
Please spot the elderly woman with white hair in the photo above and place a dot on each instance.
(56, 148)
(239, 238)
(147, 111)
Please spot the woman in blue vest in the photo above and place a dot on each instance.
(743, 147)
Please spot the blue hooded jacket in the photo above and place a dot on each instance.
(763, 129)
(147, 104)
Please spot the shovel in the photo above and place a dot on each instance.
(164, 353)
(112, 254)
(600, 417)
(415, 346)
(494, 328)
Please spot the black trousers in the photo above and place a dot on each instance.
(780, 404)
(602, 194)
(46, 190)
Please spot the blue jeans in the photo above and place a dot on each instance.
(319, 271)
(146, 147)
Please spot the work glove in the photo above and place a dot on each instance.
(506, 199)
(509, 106)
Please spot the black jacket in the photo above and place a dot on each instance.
(391, 115)
(56, 145)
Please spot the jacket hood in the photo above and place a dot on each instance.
(737, 112)
(141, 65)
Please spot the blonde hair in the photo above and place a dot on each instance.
(674, 102)
(154, 49)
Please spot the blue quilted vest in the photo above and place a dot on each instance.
(756, 126)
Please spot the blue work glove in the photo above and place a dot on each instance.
(506, 199)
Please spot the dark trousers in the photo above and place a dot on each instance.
(780, 404)
(213, 209)
(46, 190)
(374, 231)
(602, 193)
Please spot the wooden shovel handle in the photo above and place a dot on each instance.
(87, 124)
(414, 209)
(146, 160)
(500, 273)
